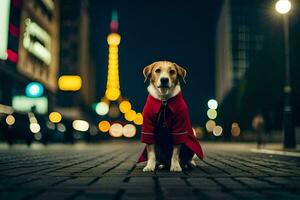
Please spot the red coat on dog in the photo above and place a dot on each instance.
(176, 129)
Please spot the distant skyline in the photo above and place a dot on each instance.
(182, 32)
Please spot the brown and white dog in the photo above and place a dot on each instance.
(164, 84)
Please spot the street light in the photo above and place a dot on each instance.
(283, 7)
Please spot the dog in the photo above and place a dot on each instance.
(166, 129)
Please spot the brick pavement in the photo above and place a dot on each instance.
(109, 171)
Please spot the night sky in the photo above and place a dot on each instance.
(179, 31)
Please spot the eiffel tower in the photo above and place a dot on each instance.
(112, 103)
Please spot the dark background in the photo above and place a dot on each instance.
(179, 31)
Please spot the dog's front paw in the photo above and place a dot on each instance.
(175, 167)
(150, 167)
(192, 163)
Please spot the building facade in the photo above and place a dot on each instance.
(75, 57)
(239, 36)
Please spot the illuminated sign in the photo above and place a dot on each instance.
(37, 41)
(25, 104)
(69, 83)
(4, 24)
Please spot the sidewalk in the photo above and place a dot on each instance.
(109, 171)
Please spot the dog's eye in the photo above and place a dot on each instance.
(157, 71)
(172, 72)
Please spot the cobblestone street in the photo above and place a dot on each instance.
(109, 171)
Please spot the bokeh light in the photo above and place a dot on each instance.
(55, 117)
(235, 129)
(102, 108)
(80, 125)
(212, 114)
(69, 83)
(138, 120)
(210, 125)
(130, 115)
(125, 106)
(212, 104)
(218, 130)
(34, 127)
(61, 127)
(34, 89)
(10, 120)
(198, 132)
(113, 39)
(283, 6)
(104, 126)
(129, 130)
(116, 130)
(112, 93)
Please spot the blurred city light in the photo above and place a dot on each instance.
(116, 130)
(125, 106)
(129, 130)
(34, 89)
(283, 6)
(4, 24)
(102, 108)
(198, 132)
(10, 120)
(55, 117)
(34, 127)
(61, 127)
(40, 47)
(25, 104)
(112, 93)
(217, 130)
(138, 120)
(50, 125)
(6, 109)
(235, 129)
(212, 114)
(69, 83)
(113, 39)
(212, 104)
(32, 118)
(130, 115)
(210, 125)
(80, 125)
(104, 126)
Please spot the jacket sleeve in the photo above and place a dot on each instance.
(148, 126)
(180, 126)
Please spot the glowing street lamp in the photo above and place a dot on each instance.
(283, 7)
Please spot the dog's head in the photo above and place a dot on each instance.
(164, 75)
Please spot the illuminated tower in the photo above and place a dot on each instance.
(113, 103)
(112, 92)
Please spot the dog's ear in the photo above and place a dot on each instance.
(147, 71)
(181, 71)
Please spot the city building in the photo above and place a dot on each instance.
(239, 36)
(75, 58)
(31, 53)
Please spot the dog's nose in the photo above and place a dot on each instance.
(164, 81)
